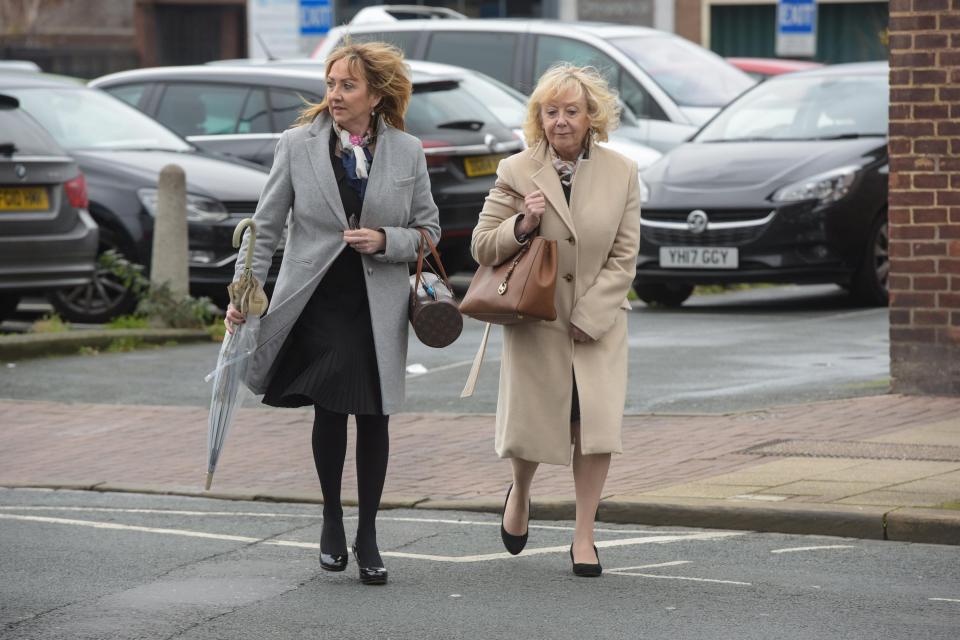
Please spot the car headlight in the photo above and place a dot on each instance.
(824, 187)
(644, 190)
(199, 208)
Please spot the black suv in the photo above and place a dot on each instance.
(121, 153)
(241, 109)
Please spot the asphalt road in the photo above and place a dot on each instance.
(727, 352)
(109, 566)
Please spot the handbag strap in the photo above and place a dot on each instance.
(474, 374)
(425, 242)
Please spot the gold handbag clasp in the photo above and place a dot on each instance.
(502, 289)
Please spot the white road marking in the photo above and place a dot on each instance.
(260, 514)
(392, 554)
(652, 566)
(174, 512)
(653, 575)
(445, 367)
(945, 599)
(826, 546)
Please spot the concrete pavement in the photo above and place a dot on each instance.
(882, 467)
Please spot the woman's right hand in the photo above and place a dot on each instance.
(234, 318)
(534, 205)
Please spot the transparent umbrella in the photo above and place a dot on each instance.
(246, 294)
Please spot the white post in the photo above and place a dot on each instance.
(169, 261)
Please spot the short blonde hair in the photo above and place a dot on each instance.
(603, 106)
(382, 66)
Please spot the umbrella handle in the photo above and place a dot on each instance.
(238, 236)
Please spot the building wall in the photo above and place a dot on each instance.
(626, 12)
(687, 20)
(72, 37)
(925, 196)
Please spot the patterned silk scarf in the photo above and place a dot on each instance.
(566, 169)
(356, 155)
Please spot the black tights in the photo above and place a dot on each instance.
(329, 451)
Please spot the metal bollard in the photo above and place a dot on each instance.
(169, 261)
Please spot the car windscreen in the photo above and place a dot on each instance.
(689, 74)
(79, 118)
(507, 104)
(19, 134)
(445, 105)
(804, 108)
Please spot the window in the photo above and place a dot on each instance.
(26, 136)
(129, 93)
(256, 116)
(436, 108)
(490, 53)
(406, 41)
(551, 50)
(193, 109)
(287, 106)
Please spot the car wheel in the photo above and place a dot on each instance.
(869, 284)
(663, 294)
(8, 305)
(104, 297)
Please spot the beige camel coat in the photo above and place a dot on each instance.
(598, 237)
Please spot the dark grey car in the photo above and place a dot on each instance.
(47, 238)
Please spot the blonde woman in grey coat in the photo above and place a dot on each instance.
(335, 335)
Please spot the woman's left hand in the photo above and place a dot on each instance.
(578, 335)
(366, 240)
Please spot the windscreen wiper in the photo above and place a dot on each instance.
(7, 148)
(852, 136)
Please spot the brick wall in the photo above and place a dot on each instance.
(686, 19)
(925, 196)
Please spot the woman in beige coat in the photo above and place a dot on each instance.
(563, 383)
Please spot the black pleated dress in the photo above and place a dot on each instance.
(329, 358)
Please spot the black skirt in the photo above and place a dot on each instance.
(329, 358)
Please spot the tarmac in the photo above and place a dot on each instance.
(878, 467)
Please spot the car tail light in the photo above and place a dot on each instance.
(436, 162)
(77, 192)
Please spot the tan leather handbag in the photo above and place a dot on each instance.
(522, 289)
(433, 308)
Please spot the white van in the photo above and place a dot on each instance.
(671, 85)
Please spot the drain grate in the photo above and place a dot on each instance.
(848, 449)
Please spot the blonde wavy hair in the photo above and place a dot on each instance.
(603, 107)
(382, 66)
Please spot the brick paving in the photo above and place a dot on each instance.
(433, 455)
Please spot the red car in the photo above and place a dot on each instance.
(763, 68)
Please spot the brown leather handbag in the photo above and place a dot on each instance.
(434, 312)
(522, 289)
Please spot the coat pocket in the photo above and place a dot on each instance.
(402, 182)
(298, 260)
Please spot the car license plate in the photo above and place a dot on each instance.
(24, 199)
(699, 257)
(482, 165)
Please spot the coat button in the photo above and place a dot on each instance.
(571, 240)
(369, 271)
(568, 277)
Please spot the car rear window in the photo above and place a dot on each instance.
(488, 52)
(26, 136)
(434, 104)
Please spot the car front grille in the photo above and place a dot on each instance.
(241, 208)
(715, 215)
(727, 227)
(719, 238)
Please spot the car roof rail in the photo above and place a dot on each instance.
(396, 12)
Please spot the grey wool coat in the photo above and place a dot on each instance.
(302, 192)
